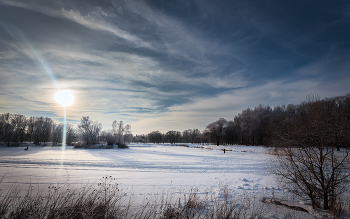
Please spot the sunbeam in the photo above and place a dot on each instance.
(18, 35)
(64, 97)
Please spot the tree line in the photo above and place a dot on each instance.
(16, 128)
(187, 136)
(258, 126)
(261, 125)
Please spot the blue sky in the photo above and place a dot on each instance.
(163, 65)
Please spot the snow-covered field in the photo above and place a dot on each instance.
(142, 166)
(147, 168)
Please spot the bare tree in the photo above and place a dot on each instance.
(238, 120)
(127, 134)
(231, 132)
(108, 137)
(118, 129)
(155, 137)
(70, 134)
(46, 129)
(57, 133)
(41, 129)
(173, 136)
(194, 133)
(30, 128)
(186, 135)
(89, 130)
(307, 158)
(19, 123)
(6, 128)
(115, 127)
(140, 138)
(215, 130)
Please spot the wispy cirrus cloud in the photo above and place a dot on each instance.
(228, 104)
(169, 65)
(95, 22)
(94, 19)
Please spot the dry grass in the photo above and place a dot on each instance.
(108, 200)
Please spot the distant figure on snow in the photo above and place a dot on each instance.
(224, 151)
(26, 148)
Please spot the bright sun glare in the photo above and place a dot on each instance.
(65, 97)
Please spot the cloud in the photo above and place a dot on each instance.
(203, 111)
(160, 66)
(95, 19)
(95, 22)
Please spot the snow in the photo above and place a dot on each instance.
(146, 169)
(140, 165)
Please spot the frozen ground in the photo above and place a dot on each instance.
(142, 166)
(148, 168)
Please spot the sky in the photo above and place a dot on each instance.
(169, 65)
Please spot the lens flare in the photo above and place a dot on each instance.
(65, 97)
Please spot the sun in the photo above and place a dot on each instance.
(65, 97)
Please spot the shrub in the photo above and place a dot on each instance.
(78, 145)
(122, 145)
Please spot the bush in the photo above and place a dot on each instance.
(78, 145)
(109, 146)
(122, 145)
